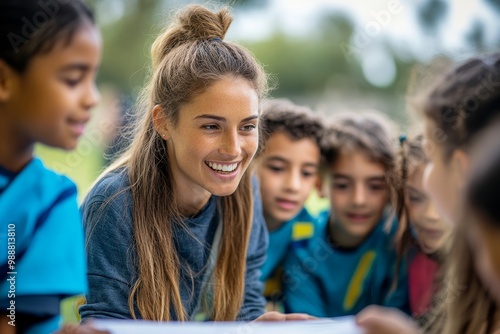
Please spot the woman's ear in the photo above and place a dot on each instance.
(6, 81)
(160, 122)
(460, 166)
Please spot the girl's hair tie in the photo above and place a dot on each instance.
(402, 139)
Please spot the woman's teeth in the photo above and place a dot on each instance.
(222, 167)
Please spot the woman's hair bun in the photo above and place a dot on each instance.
(198, 23)
(192, 24)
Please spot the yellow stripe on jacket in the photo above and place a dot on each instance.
(356, 286)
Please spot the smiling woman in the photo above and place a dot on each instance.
(213, 141)
(173, 231)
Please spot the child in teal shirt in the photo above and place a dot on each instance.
(47, 91)
(288, 171)
(349, 261)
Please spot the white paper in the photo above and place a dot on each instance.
(343, 325)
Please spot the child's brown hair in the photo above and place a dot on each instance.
(297, 122)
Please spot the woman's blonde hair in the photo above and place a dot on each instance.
(189, 56)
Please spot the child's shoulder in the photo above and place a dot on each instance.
(322, 217)
(45, 183)
(384, 235)
(47, 175)
(306, 215)
(307, 226)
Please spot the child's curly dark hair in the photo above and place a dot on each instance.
(298, 122)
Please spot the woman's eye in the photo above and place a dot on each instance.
(248, 127)
(210, 127)
(340, 185)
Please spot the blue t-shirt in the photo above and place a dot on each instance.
(41, 227)
(329, 282)
(298, 228)
(112, 255)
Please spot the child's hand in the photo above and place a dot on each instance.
(80, 329)
(277, 316)
(381, 320)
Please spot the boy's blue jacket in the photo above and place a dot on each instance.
(328, 282)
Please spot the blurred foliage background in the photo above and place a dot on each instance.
(346, 59)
